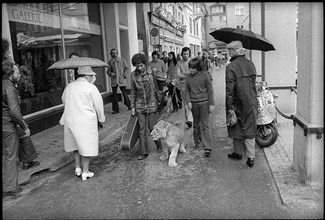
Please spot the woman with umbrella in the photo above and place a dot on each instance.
(83, 109)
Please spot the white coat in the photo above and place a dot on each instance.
(83, 108)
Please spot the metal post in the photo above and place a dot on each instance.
(263, 34)
(250, 25)
(102, 21)
(63, 44)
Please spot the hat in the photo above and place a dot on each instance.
(86, 70)
(235, 45)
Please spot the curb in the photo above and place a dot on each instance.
(67, 159)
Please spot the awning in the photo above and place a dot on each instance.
(24, 40)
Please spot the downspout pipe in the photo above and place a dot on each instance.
(263, 34)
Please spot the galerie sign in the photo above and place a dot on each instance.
(29, 16)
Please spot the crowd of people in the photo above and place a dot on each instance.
(187, 82)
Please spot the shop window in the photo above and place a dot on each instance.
(37, 43)
(82, 34)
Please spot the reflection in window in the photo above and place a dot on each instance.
(37, 44)
(82, 34)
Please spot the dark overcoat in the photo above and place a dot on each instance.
(241, 96)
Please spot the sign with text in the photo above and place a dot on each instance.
(29, 16)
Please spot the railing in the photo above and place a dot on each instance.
(317, 130)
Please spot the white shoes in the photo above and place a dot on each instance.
(84, 176)
(78, 171)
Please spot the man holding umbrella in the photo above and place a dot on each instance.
(241, 98)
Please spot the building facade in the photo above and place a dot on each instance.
(160, 27)
(216, 19)
(42, 33)
(170, 27)
(192, 18)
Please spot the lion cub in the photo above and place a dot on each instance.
(173, 137)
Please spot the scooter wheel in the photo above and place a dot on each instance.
(266, 135)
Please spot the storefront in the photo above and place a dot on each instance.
(43, 33)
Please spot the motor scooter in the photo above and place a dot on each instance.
(267, 132)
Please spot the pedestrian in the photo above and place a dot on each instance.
(172, 74)
(241, 97)
(5, 51)
(164, 57)
(160, 68)
(74, 71)
(118, 71)
(206, 64)
(212, 59)
(199, 54)
(200, 99)
(11, 119)
(179, 57)
(83, 112)
(26, 150)
(144, 102)
(181, 81)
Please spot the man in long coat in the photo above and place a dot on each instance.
(117, 71)
(241, 96)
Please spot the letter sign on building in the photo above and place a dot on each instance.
(154, 36)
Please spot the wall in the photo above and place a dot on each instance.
(133, 35)
(121, 30)
(279, 68)
(308, 154)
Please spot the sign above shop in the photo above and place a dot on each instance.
(155, 20)
(29, 16)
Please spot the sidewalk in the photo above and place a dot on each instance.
(49, 144)
(295, 194)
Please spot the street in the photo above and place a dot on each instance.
(125, 188)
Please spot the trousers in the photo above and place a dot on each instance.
(26, 149)
(16, 147)
(146, 123)
(10, 142)
(247, 144)
(201, 124)
(126, 99)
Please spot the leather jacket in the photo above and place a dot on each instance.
(11, 113)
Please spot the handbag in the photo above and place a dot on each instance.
(231, 118)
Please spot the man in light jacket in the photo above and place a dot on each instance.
(83, 110)
(117, 71)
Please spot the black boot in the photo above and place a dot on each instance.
(159, 146)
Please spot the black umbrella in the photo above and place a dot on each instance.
(249, 39)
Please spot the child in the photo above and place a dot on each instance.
(199, 98)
